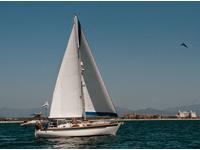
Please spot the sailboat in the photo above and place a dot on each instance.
(80, 98)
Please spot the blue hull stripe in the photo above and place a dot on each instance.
(96, 114)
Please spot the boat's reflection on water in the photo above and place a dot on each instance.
(75, 142)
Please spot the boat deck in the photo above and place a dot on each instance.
(82, 127)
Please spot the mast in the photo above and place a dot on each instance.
(78, 38)
(82, 94)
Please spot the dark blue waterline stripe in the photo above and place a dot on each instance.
(106, 114)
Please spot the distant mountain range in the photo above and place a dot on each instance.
(11, 112)
(167, 111)
(122, 111)
(174, 110)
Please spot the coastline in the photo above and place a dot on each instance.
(124, 120)
(11, 122)
(164, 119)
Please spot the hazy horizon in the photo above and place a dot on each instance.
(117, 107)
(135, 44)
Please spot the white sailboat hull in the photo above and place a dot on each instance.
(78, 132)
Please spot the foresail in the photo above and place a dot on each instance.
(89, 107)
(67, 100)
(99, 102)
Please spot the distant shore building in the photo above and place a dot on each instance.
(140, 116)
(193, 114)
(185, 114)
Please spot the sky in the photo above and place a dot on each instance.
(135, 44)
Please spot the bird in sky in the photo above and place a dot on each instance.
(183, 44)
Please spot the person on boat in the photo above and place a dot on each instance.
(38, 125)
(45, 125)
(74, 122)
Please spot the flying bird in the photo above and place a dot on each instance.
(183, 44)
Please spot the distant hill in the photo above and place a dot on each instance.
(149, 111)
(167, 111)
(121, 110)
(11, 112)
(174, 110)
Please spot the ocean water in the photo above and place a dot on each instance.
(136, 134)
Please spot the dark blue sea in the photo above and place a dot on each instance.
(136, 134)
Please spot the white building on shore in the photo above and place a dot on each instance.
(185, 114)
(193, 114)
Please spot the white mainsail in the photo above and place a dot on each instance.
(67, 102)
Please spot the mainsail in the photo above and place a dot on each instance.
(67, 100)
(70, 97)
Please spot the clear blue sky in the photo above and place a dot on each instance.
(136, 46)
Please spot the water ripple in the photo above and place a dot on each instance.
(136, 134)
